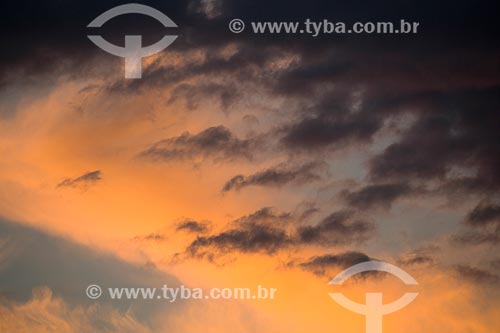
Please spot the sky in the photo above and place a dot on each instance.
(249, 159)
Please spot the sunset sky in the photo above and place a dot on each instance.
(248, 159)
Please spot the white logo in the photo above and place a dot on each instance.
(93, 291)
(133, 52)
(373, 309)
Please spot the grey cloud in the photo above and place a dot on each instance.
(249, 239)
(267, 232)
(484, 215)
(332, 123)
(476, 275)
(483, 226)
(376, 195)
(261, 231)
(321, 265)
(84, 181)
(31, 259)
(274, 176)
(214, 142)
(342, 227)
(193, 226)
(463, 137)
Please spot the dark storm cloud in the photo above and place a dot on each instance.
(41, 33)
(377, 195)
(476, 275)
(193, 226)
(83, 181)
(214, 142)
(274, 176)
(320, 265)
(267, 232)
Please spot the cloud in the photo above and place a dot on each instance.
(334, 121)
(46, 312)
(151, 237)
(32, 259)
(423, 256)
(194, 94)
(214, 142)
(266, 232)
(449, 147)
(193, 226)
(484, 215)
(476, 275)
(254, 233)
(377, 195)
(321, 265)
(484, 220)
(342, 227)
(477, 238)
(82, 182)
(274, 176)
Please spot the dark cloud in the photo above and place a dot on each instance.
(267, 232)
(377, 195)
(82, 182)
(214, 142)
(333, 121)
(483, 226)
(321, 265)
(250, 238)
(484, 215)
(476, 275)
(49, 38)
(264, 215)
(274, 176)
(261, 231)
(443, 146)
(220, 74)
(193, 226)
(341, 227)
